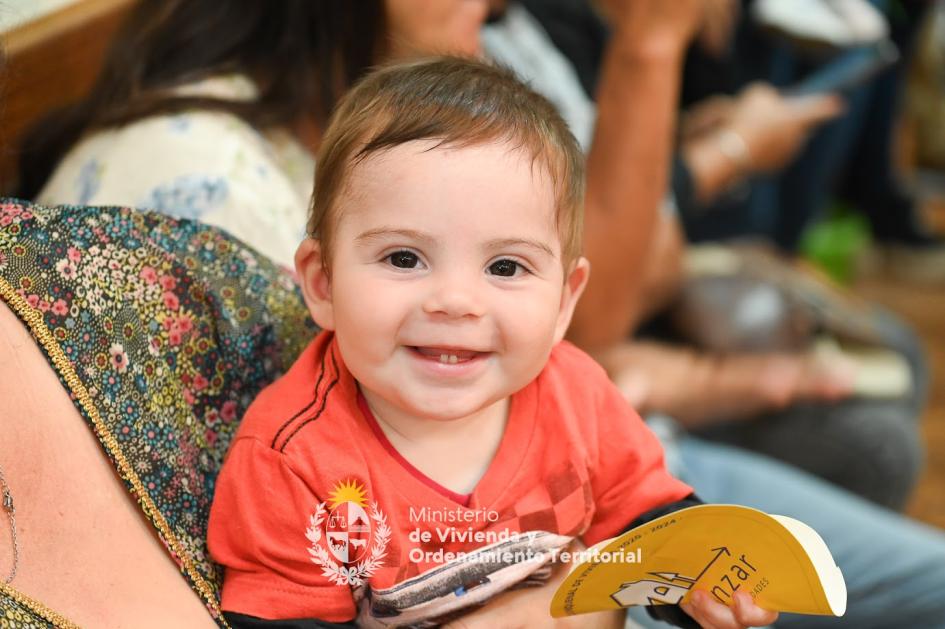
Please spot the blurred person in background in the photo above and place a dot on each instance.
(791, 403)
(850, 160)
(222, 127)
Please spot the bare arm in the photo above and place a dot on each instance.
(628, 164)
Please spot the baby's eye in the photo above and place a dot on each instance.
(505, 268)
(404, 259)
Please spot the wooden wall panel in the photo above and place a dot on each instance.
(50, 62)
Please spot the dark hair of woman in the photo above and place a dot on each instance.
(302, 54)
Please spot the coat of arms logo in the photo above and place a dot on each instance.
(355, 538)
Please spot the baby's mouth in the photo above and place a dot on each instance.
(447, 355)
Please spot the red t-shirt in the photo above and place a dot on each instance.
(316, 515)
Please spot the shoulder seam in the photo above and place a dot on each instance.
(318, 381)
(322, 406)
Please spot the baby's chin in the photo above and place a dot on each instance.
(447, 406)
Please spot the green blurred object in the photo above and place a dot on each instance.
(835, 243)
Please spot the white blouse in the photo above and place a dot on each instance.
(210, 166)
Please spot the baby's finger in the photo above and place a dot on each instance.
(709, 613)
(750, 615)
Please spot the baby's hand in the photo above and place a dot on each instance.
(711, 614)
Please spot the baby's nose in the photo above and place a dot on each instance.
(454, 299)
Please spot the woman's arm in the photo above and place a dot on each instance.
(629, 160)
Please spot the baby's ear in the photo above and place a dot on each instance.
(574, 285)
(316, 283)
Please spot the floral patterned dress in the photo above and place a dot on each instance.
(162, 330)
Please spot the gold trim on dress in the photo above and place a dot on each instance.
(37, 608)
(34, 320)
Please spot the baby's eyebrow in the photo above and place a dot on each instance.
(412, 234)
(386, 232)
(504, 243)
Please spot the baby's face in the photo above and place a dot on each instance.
(447, 291)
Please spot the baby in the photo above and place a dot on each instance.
(438, 443)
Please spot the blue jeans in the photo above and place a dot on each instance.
(894, 567)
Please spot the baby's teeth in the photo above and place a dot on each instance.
(451, 359)
(444, 358)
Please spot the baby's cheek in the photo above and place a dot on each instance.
(374, 309)
(532, 322)
(364, 334)
(529, 336)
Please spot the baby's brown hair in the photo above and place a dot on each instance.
(457, 102)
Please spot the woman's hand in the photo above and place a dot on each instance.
(706, 117)
(775, 126)
(710, 614)
(768, 128)
(698, 389)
